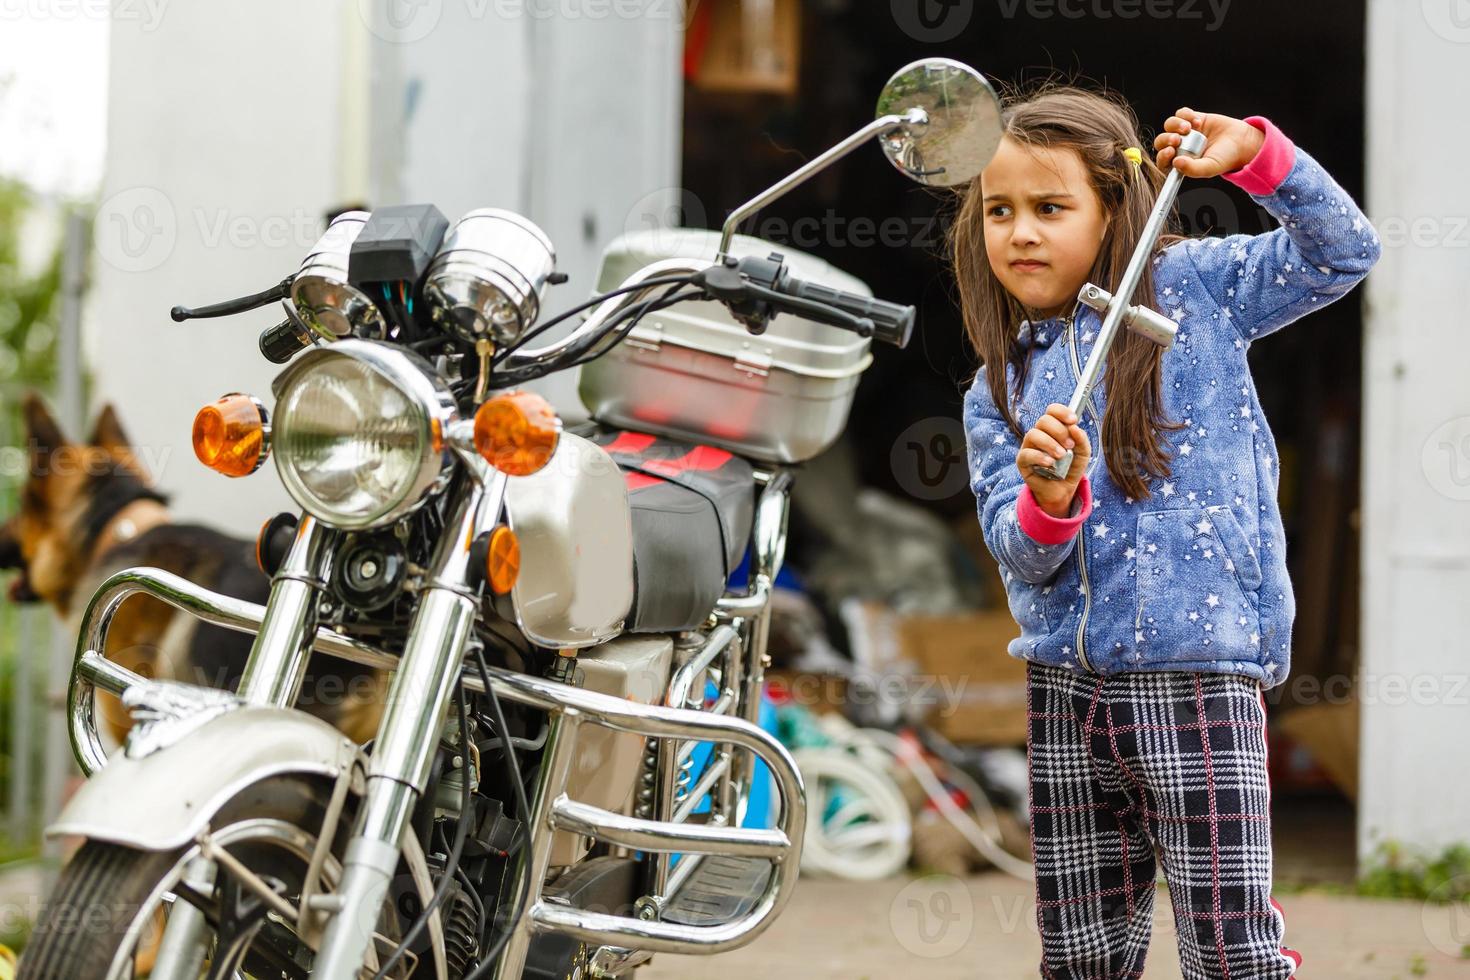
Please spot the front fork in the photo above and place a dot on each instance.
(409, 733)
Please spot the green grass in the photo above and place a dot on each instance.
(14, 850)
(1403, 872)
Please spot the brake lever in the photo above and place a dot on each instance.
(230, 307)
(725, 283)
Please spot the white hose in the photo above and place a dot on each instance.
(869, 836)
(985, 839)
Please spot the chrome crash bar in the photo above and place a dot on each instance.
(569, 708)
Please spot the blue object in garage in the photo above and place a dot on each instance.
(785, 578)
(759, 812)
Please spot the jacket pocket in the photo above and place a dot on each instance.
(1196, 578)
(1028, 608)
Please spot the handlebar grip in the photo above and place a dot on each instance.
(283, 341)
(892, 323)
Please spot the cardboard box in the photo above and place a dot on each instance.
(1329, 733)
(745, 46)
(979, 690)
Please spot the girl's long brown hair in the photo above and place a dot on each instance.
(1098, 127)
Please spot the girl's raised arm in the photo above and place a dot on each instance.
(1260, 283)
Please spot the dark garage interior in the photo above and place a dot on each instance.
(741, 137)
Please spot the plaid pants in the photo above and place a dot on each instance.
(1133, 768)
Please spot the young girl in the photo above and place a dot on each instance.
(1151, 592)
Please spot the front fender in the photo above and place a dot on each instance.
(163, 800)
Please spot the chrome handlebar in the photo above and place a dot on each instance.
(608, 309)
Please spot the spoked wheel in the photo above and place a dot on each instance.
(109, 915)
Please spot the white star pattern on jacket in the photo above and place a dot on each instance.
(1201, 585)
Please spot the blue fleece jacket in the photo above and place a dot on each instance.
(1193, 578)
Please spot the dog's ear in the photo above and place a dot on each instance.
(108, 433)
(43, 435)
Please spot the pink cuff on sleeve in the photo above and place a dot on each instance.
(1041, 527)
(1269, 167)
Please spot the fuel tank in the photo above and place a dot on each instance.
(575, 528)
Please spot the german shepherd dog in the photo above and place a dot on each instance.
(90, 510)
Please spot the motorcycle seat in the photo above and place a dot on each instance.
(692, 509)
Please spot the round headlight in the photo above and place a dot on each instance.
(358, 433)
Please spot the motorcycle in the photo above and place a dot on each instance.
(569, 775)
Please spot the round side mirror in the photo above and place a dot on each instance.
(962, 129)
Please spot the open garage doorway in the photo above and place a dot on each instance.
(1301, 64)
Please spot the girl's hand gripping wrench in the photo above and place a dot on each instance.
(1140, 319)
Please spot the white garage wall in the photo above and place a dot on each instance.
(1416, 469)
(221, 156)
(233, 127)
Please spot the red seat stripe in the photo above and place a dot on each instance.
(630, 443)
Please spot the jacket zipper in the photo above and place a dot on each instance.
(1081, 536)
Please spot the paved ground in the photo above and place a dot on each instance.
(985, 926)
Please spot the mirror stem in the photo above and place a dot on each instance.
(878, 127)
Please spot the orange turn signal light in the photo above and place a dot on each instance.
(502, 560)
(232, 435)
(516, 432)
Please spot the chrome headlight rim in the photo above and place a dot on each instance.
(416, 380)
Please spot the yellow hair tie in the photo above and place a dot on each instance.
(1134, 155)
